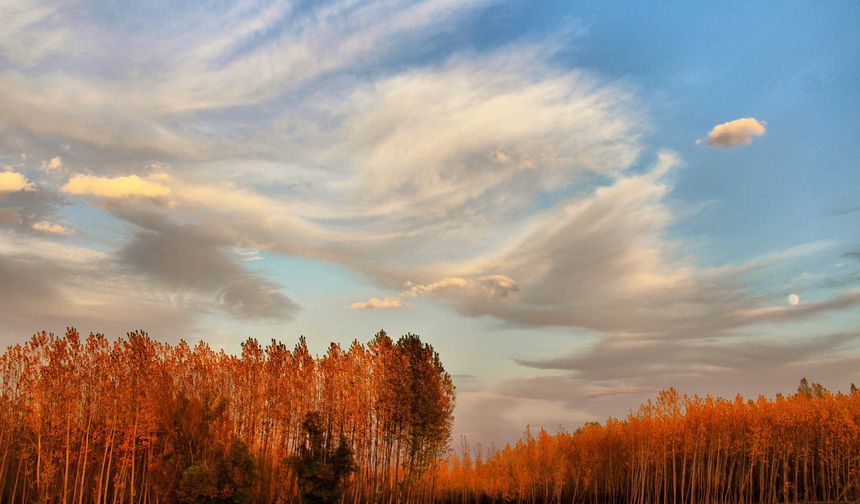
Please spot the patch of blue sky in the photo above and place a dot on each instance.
(816, 276)
(791, 68)
(457, 338)
(303, 279)
(94, 227)
(695, 66)
(155, 17)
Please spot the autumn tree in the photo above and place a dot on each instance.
(90, 420)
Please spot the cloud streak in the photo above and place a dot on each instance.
(117, 187)
(374, 303)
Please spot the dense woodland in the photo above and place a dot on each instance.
(680, 449)
(88, 420)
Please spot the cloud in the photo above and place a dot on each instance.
(50, 286)
(495, 286)
(374, 302)
(613, 391)
(620, 357)
(620, 371)
(10, 217)
(32, 32)
(47, 227)
(55, 163)
(599, 261)
(117, 187)
(498, 286)
(735, 133)
(13, 181)
(20, 210)
(150, 101)
(186, 257)
(794, 311)
(426, 144)
(511, 415)
(413, 289)
(603, 261)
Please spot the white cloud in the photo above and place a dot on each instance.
(47, 227)
(457, 176)
(495, 287)
(13, 181)
(374, 302)
(735, 133)
(55, 163)
(220, 61)
(450, 142)
(31, 32)
(413, 289)
(117, 187)
(599, 261)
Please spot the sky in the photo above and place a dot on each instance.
(576, 203)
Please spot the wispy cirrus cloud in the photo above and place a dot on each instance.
(149, 102)
(434, 158)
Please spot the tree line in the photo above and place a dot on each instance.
(678, 449)
(88, 420)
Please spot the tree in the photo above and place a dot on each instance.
(321, 471)
(132, 420)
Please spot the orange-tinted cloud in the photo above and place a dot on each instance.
(47, 227)
(374, 302)
(13, 181)
(117, 187)
(735, 133)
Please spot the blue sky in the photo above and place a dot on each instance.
(576, 203)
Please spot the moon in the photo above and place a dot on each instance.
(793, 299)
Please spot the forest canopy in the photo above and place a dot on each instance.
(136, 420)
(139, 421)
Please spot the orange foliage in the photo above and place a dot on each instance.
(134, 420)
(686, 450)
(139, 421)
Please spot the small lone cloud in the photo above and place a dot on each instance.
(54, 164)
(47, 227)
(734, 133)
(13, 181)
(118, 187)
(374, 302)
